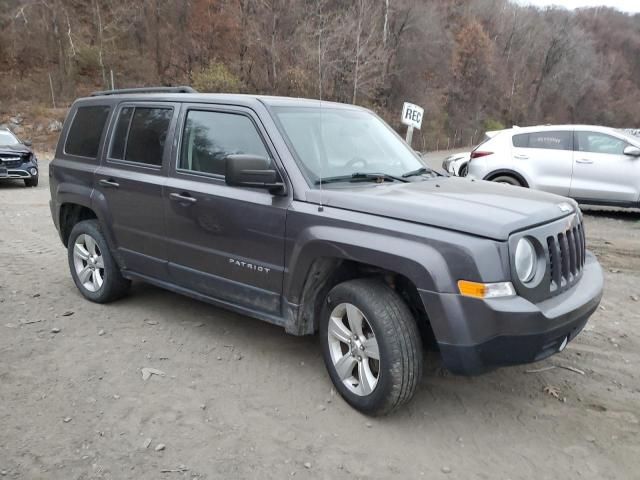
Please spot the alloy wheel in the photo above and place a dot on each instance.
(354, 349)
(88, 262)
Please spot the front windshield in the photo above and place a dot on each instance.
(7, 138)
(334, 142)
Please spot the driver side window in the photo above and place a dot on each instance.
(209, 137)
(594, 142)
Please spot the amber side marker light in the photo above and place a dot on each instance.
(486, 290)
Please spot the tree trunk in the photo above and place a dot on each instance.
(100, 50)
(357, 66)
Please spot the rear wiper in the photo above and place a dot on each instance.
(378, 177)
(419, 171)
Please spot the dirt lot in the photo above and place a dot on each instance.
(241, 399)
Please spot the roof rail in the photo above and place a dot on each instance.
(183, 89)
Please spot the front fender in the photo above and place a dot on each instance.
(425, 266)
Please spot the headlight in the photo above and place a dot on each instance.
(525, 260)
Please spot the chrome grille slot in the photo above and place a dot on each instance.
(554, 262)
(573, 260)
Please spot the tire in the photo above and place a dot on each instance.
(508, 179)
(31, 182)
(101, 280)
(463, 170)
(395, 334)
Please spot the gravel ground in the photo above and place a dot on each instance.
(241, 399)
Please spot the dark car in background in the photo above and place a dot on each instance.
(17, 159)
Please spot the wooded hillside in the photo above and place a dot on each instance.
(474, 65)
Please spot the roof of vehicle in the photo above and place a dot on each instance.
(174, 95)
(515, 130)
(538, 128)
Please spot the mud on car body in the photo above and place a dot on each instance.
(318, 218)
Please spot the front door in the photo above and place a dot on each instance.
(131, 181)
(602, 172)
(224, 242)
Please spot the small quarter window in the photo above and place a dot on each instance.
(140, 134)
(210, 136)
(85, 132)
(521, 141)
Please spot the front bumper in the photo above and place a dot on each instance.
(21, 171)
(476, 336)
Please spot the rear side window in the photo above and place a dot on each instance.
(521, 141)
(210, 136)
(140, 134)
(551, 140)
(85, 132)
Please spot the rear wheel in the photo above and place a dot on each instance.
(507, 179)
(93, 268)
(371, 346)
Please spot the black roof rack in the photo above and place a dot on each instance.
(182, 89)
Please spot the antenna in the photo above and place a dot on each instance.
(320, 207)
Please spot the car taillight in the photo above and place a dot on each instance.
(478, 154)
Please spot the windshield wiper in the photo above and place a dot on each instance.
(420, 171)
(377, 177)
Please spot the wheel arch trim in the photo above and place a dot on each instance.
(508, 172)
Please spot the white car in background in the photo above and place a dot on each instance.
(593, 165)
(456, 164)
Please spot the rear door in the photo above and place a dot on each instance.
(602, 172)
(131, 181)
(224, 242)
(547, 159)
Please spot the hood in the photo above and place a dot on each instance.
(480, 208)
(18, 148)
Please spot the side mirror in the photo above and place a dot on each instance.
(28, 143)
(252, 171)
(632, 151)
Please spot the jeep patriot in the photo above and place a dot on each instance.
(318, 217)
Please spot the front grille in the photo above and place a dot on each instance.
(10, 161)
(566, 257)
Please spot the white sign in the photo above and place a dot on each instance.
(412, 115)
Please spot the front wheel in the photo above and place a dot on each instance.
(31, 182)
(371, 346)
(93, 268)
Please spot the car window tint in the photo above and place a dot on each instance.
(521, 141)
(551, 140)
(210, 136)
(143, 141)
(600, 143)
(86, 130)
(120, 134)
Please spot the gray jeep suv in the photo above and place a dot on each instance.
(317, 217)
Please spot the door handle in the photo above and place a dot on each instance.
(584, 160)
(521, 156)
(109, 183)
(182, 198)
